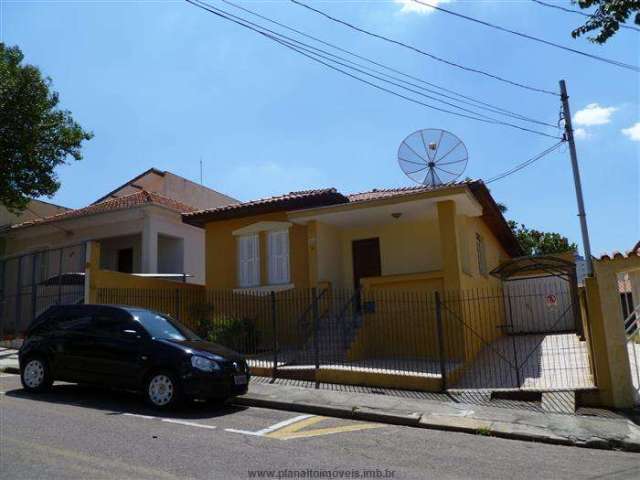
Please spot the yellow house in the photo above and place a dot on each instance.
(446, 238)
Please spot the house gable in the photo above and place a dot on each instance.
(172, 186)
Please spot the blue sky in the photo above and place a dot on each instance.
(163, 84)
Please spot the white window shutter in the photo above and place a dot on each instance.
(248, 261)
(278, 265)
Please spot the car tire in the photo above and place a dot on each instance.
(35, 375)
(162, 390)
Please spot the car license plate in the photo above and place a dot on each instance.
(240, 379)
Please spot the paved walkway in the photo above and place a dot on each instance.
(8, 360)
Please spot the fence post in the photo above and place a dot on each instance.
(18, 298)
(274, 324)
(441, 350)
(34, 287)
(3, 317)
(316, 329)
(513, 339)
(178, 304)
(60, 276)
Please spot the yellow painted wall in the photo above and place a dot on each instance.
(480, 301)
(329, 254)
(405, 247)
(468, 227)
(608, 341)
(221, 251)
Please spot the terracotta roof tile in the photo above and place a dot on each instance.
(378, 193)
(635, 252)
(289, 201)
(128, 201)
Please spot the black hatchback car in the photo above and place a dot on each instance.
(128, 348)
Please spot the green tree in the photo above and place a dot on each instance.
(35, 135)
(535, 242)
(607, 17)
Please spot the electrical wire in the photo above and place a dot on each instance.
(525, 164)
(471, 101)
(577, 12)
(616, 63)
(423, 52)
(311, 53)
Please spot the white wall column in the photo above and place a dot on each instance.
(149, 246)
(634, 278)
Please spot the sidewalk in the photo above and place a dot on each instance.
(582, 431)
(521, 424)
(9, 360)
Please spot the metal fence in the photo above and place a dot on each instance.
(32, 282)
(452, 340)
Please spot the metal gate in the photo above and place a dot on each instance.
(540, 305)
(526, 335)
(30, 283)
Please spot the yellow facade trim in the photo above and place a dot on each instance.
(402, 278)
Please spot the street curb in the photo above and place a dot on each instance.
(420, 421)
(338, 412)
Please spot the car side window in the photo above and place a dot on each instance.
(105, 325)
(73, 323)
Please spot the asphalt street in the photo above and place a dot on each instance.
(85, 433)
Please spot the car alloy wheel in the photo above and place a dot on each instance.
(33, 374)
(161, 390)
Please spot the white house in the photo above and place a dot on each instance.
(138, 225)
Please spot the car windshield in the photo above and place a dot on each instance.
(163, 327)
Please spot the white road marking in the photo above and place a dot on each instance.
(171, 420)
(139, 416)
(270, 429)
(244, 432)
(190, 424)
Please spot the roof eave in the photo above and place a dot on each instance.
(199, 219)
(494, 218)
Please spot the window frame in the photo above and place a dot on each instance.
(481, 252)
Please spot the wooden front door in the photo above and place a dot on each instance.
(366, 259)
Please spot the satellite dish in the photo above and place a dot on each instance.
(432, 157)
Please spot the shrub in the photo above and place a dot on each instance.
(237, 334)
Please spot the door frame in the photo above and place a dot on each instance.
(356, 280)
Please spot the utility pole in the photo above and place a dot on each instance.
(201, 177)
(568, 132)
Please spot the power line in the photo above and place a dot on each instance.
(628, 66)
(423, 52)
(577, 12)
(524, 164)
(311, 53)
(484, 118)
(472, 101)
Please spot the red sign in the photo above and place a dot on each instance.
(551, 300)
